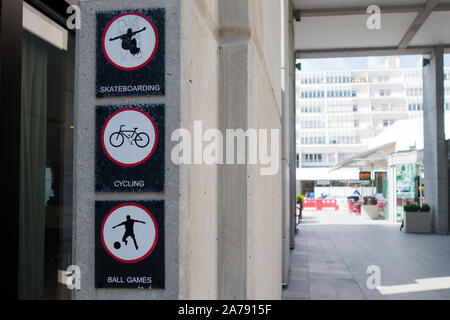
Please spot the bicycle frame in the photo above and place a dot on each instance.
(123, 132)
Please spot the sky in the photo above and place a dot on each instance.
(357, 63)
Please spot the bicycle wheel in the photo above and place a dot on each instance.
(116, 139)
(142, 140)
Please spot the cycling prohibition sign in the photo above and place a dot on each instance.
(129, 137)
(129, 233)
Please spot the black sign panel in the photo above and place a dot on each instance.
(129, 154)
(129, 244)
(130, 53)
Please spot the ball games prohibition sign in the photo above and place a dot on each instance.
(147, 240)
(117, 55)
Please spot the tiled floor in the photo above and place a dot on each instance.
(334, 250)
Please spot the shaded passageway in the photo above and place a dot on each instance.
(334, 250)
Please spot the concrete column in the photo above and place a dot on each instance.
(250, 205)
(287, 94)
(292, 125)
(223, 223)
(84, 152)
(435, 153)
(392, 196)
(233, 190)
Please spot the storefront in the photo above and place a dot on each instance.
(409, 185)
(382, 192)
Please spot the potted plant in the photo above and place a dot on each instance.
(369, 209)
(417, 219)
(299, 207)
(299, 199)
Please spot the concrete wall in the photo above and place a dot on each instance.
(224, 223)
(232, 57)
(250, 207)
(199, 183)
(288, 138)
(435, 148)
(84, 154)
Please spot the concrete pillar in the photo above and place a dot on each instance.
(250, 205)
(435, 153)
(392, 196)
(223, 223)
(288, 136)
(292, 125)
(84, 153)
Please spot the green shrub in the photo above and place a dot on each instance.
(411, 207)
(425, 208)
(299, 199)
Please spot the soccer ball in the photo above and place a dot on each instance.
(117, 245)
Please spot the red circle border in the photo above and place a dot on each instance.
(103, 139)
(154, 50)
(154, 222)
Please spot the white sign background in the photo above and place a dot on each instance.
(147, 41)
(129, 154)
(145, 234)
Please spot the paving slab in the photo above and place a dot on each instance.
(334, 251)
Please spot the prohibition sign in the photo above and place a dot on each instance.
(129, 233)
(129, 137)
(130, 41)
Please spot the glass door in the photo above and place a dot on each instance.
(46, 157)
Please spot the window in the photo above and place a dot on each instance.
(46, 142)
(387, 123)
(312, 159)
(355, 108)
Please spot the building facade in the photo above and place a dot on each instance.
(340, 112)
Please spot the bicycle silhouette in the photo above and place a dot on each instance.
(117, 139)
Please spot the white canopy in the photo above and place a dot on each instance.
(375, 158)
(407, 135)
(334, 25)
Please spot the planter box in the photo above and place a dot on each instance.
(369, 212)
(418, 222)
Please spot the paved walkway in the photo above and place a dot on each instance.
(334, 250)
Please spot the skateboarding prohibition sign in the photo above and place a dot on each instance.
(129, 137)
(130, 41)
(129, 233)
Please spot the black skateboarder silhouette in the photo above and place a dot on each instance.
(129, 230)
(128, 43)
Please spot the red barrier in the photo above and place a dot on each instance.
(327, 204)
(320, 204)
(309, 204)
